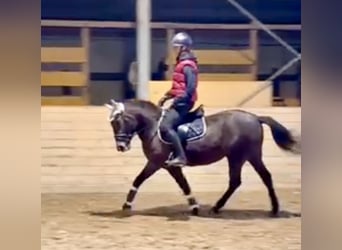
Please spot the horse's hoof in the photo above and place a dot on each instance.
(274, 214)
(214, 210)
(126, 207)
(195, 211)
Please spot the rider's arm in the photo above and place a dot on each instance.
(190, 80)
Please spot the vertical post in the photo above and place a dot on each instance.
(254, 45)
(170, 60)
(85, 36)
(143, 17)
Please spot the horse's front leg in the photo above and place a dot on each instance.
(149, 169)
(182, 182)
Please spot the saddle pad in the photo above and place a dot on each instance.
(189, 132)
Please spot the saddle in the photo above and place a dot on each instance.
(193, 115)
(192, 128)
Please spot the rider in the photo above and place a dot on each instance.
(183, 92)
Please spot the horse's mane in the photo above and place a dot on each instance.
(146, 105)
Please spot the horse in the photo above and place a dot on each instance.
(235, 134)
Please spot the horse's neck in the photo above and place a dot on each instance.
(149, 126)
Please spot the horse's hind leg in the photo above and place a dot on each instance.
(235, 165)
(265, 175)
(182, 182)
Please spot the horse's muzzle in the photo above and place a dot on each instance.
(122, 146)
(123, 142)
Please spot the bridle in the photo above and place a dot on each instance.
(127, 137)
(124, 137)
(118, 108)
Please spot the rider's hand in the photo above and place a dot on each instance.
(162, 101)
(166, 97)
(181, 100)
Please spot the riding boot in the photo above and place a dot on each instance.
(180, 159)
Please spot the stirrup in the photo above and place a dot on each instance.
(180, 165)
(172, 158)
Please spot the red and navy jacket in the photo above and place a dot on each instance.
(185, 78)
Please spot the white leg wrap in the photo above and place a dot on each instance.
(128, 203)
(189, 196)
(194, 206)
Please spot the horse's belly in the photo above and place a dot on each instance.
(204, 156)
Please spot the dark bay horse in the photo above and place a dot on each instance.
(233, 134)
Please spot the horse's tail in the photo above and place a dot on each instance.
(281, 135)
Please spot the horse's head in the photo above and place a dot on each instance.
(123, 123)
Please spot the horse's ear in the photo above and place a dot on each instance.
(119, 107)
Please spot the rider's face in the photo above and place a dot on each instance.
(176, 50)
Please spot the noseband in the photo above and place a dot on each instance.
(124, 137)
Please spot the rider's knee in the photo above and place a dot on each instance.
(164, 128)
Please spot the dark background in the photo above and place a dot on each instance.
(192, 11)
